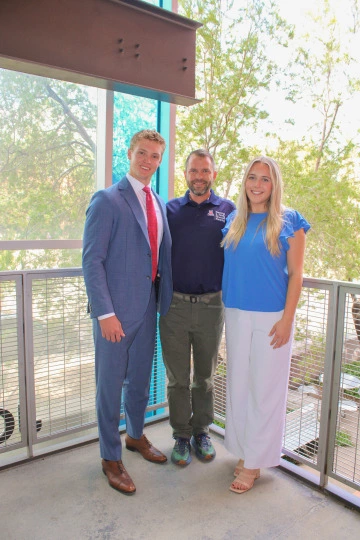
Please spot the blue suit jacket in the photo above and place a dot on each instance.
(117, 256)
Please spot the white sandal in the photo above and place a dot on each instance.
(246, 478)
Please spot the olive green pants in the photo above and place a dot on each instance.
(193, 324)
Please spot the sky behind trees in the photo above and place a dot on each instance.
(301, 14)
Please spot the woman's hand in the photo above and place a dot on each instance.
(281, 333)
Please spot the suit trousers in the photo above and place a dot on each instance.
(256, 381)
(124, 368)
(191, 328)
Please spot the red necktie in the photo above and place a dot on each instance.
(152, 230)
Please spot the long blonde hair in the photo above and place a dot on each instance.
(274, 219)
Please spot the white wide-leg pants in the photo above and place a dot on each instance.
(257, 381)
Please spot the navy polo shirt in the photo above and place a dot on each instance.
(197, 258)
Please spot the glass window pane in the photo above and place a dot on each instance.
(47, 156)
(39, 259)
(131, 114)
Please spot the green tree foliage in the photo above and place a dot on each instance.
(236, 67)
(329, 200)
(233, 70)
(325, 71)
(320, 169)
(47, 158)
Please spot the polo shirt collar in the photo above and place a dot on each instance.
(213, 199)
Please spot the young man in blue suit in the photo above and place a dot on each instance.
(127, 272)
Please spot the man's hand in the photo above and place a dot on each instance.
(111, 329)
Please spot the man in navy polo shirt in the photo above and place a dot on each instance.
(195, 320)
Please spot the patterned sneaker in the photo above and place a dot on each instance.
(203, 447)
(181, 452)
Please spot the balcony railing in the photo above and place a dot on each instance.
(47, 388)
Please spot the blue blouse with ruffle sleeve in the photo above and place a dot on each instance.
(253, 279)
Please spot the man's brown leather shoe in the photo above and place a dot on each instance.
(118, 477)
(146, 449)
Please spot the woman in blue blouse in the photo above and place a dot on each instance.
(264, 251)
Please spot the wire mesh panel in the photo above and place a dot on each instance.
(304, 401)
(11, 363)
(220, 385)
(157, 399)
(63, 355)
(346, 462)
(157, 395)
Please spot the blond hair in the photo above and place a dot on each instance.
(274, 219)
(149, 135)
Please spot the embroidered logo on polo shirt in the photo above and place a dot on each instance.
(211, 213)
(220, 216)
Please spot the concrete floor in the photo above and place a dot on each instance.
(66, 496)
